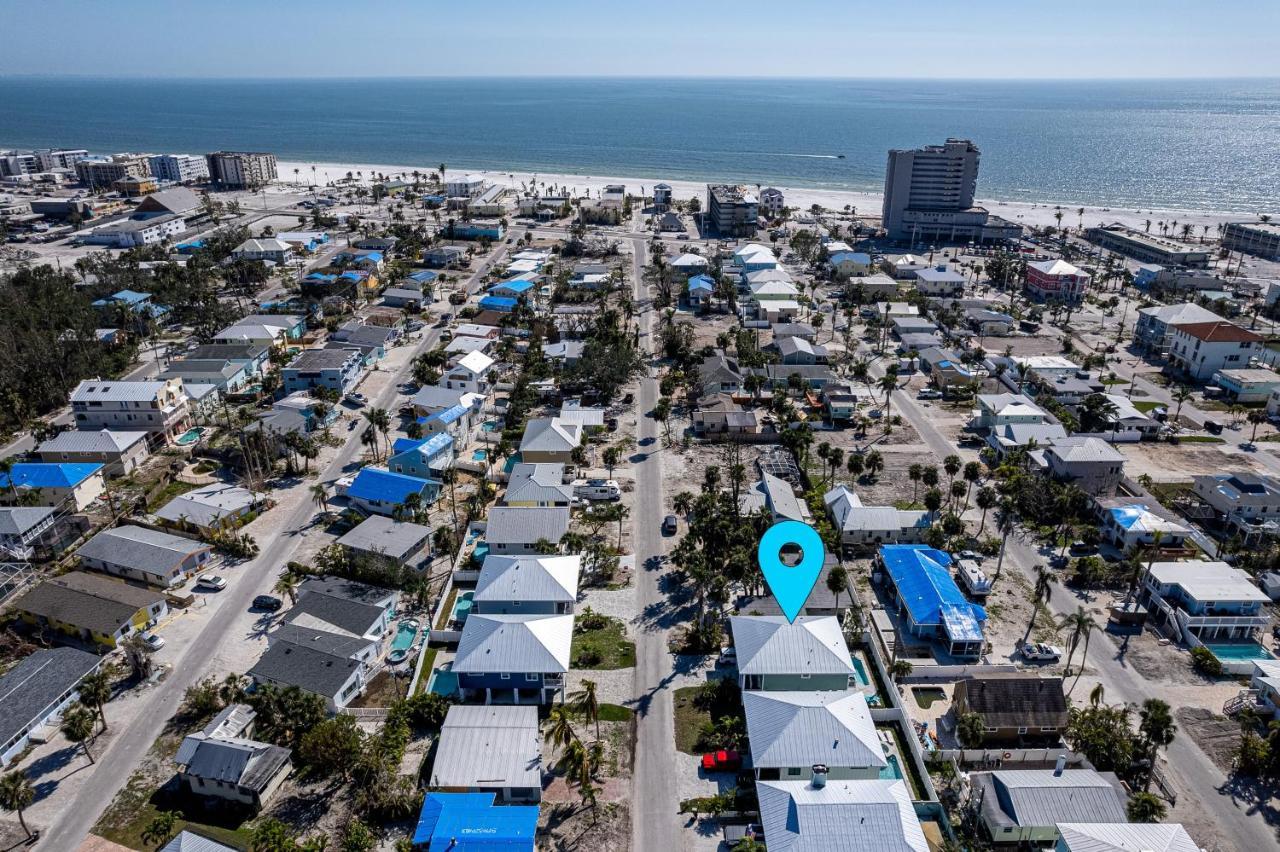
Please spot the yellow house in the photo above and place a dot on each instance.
(90, 607)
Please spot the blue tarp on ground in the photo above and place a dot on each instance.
(924, 583)
(471, 822)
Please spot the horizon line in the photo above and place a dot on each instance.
(5, 75)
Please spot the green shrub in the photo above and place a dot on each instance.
(1203, 660)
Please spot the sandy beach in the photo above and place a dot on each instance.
(869, 203)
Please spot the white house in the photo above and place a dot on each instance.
(266, 248)
(1203, 348)
(861, 525)
(470, 374)
(1244, 502)
(1204, 601)
(996, 410)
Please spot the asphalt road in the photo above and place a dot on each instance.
(654, 804)
(225, 625)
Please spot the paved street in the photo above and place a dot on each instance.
(227, 624)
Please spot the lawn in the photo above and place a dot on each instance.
(689, 717)
(446, 612)
(606, 647)
(1200, 439)
(1145, 405)
(615, 713)
(173, 489)
(427, 666)
(139, 803)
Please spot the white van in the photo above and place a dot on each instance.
(596, 489)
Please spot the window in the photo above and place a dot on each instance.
(532, 678)
(504, 676)
(793, 771)
(1022, 730)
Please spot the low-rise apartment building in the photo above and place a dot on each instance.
(158, 407)
(1202, 349)
(1148, 248)
(1201, 601)
(336, 369)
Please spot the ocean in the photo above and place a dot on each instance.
(1199, 145)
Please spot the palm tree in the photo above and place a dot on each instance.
(320, 495)
(1157, 728)
(1082, 625)
(161, 827)
(1040, 594)
(77, 727)
(17, 794)
(1180, 395)
(1145, 807)
(970, 729)
(951, 464)
(1257, 417)
(95, 691)
(288, 584)
(987, 499)
(559, 728)
(874, 462)
(838, 582)
(586, 702)
(914, 473)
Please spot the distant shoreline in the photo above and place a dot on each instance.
(867, 203)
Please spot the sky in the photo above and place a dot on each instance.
(695, 38)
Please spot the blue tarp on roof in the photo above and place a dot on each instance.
(1127, 516)
(470, 822)
(498, 303)
(375, 484)
(449, 415)
(321, 277)
(428, 447)
(354, 275)
(516, 285)
(702, 282)
(920, 574)
(853, 256)
(962, 370)
(48, 475)
(423, 276)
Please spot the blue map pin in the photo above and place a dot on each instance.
(791, 584)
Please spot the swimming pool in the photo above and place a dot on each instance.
(892, 772)
(479, 455)
(1231, 652)
(491, 426)
(189, 437)
(462, 607)
(861, 670)
(443, 681)
(406, 634)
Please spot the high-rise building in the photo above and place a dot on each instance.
(732, 211)
(1256, 238)
(16, 163)
(928, 195)
(179, 168)
(241, 169)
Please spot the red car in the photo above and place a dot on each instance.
(722, 761)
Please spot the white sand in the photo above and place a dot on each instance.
(867, 203)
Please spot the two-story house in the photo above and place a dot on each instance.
(158, 407)
(1002, 409)
(529, 585)
(518, 530)
(1153, 332)
(1244, 502)
(538, 485)
(383, 492)
(425, 458)
(1092, 464)
(120, 453)
(470, 374)
(809, 654)
(1015, 709)
(1203, 348)
(790, 732)
(550, 440)
(1056, 281)
(57, 485)
(1204, 601)
(513, 659)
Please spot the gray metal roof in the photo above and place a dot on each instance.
(542, 483)
(98, 390)
(189, 841)
(207, 505)
(245, 763)
(526, 524)
(529, 578)
(768, 644)
(378, 534)
(309, 669)
(337, 644)
(841, 816)
(489, 747)
(102, 441)
(146, 550)
(514, 643)
(789, 729)
(36, 683)
(1125, 837)
(1038, 797)
(782, 498)
(351, 590)
(550, 435)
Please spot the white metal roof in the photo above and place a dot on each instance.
(514, 643)
(1125, 837)
(1208, 581)
(799, 729)
(489, 747)
(1038, 797)
(529, 578)
(841, 816)
(768, 644)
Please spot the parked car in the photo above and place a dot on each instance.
(358, 398)
(670, 525)
(722, 761)
(268, 603)
(728, 657)
(1213, 427)
(1040, 652)
(211, 582)
(628, 399)
(929, 393)
(970, 554)
(151, 640)
(1083, 548)
(415, 325)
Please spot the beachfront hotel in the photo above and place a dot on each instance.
(1261, 239)
(732, 211)
(1147, 248)
(928, 196)
(241, 169)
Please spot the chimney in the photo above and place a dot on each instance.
(819, 776)
(1059, 766)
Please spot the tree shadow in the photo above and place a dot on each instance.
(52, 762)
